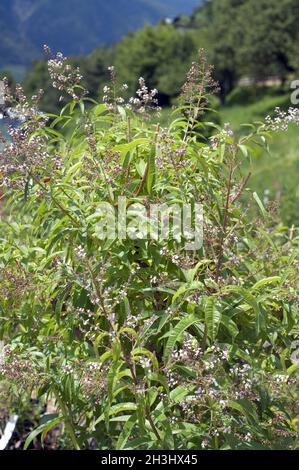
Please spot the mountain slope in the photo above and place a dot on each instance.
(74, 26)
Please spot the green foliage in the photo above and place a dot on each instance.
(249, 38)
(140, 343)
(257, 49)
(161, 55)
(268, 48)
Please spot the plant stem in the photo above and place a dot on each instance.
(225, 221)
(68, 423)
(65, 211)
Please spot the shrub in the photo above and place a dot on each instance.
(141, 343)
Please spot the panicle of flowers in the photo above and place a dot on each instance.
(27, 111)
(19, 108)
(217, 380)
(65, 77)
(87, 323)
(26, 153)
(181, 259)
(112, 92)
(6, 92)
(14, 283)
(145, 362)
(104, 297)
(169, 153)
(91, 376)
(93, 381)
(112, 166)
(20, 370)
(132, 321)
(199, 84)
(188, 352)
(282, 119)
(224, 136)
(23, 110)
(23, 157)
(80, 253)
(146, 100)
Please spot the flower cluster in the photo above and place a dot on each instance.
(223, 137)
(199, 83)
(91, 378)
(112, 166)
(20, 369)
(168, 153)
(112, 92)
(87, 324)
(146, 100)
(221, 386)
(282, 119)
(65, 78)
(188, 352)
(23, 158)
(26, 155)
(14, 283)
(19, 108)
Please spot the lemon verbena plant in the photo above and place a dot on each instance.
(138, 342)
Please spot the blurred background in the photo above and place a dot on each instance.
(253, 45)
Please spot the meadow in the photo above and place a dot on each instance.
(274, 170)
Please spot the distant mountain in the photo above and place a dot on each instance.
(74, 26)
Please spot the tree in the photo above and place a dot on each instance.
(160, 54)
(267, 46)
(256, 38)
(219, 30)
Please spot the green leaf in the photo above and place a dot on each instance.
(124, 149)
(177, 395)
(43, 428)
(212, 318)
(266, 281)
(176, 333)
(230, 325)
(244, 149)
(115, 409)
(186, 288)
(126, 432)
(246, 408)
(260, 204)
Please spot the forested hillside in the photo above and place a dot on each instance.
(74, 26)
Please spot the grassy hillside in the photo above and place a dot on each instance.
(274, 174)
